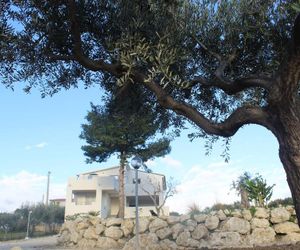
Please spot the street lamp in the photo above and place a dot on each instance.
(28, 223)
(136, 163)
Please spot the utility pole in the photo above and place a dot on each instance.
(47, 195)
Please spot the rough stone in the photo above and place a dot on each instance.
(87, 244)
(261, 213)
(100, 229)
(127, 227)
(262, 236)
(113, 232)
(143, 225)
(75, 237)
(167, 244)
(224, 239)
(94, 220)
(184, 217)
(113, 222)
(173, 220)
(176, 229)
(70, 226)
(279, 215)
(163, 233)
(106, 243)
(238, 225)
(122, 242)
(261, 223)
(200, 217)
(212, 222)
(157, 224)
(90, 233)
(247, 214)
(184, 239)
(286, 227)
(291, 238)
(200, 232)
(237, 213)
(64, 237)
(291, 209)
(82, 225)
(221, 215)
(147, 241)
(190, 224)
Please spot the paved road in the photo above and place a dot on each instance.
(40, 243)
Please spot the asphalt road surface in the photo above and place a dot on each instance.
(49, 242)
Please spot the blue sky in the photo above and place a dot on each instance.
(40, 135)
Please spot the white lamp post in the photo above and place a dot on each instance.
(28, 223)
(136, 163)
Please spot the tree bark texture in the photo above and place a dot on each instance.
(121, 212)
(287, 132)
(244, 198)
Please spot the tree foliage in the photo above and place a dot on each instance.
(256, 189)
(219, 64)
(128, 128)
(124, 127)
(17, 221)
(259, 191)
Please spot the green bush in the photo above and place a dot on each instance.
(283, 202)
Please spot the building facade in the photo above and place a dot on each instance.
(98, 191)
(61, 202)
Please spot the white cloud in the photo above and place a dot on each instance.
(39, 145)
(25, 187)
(207, 185)
(171, 162)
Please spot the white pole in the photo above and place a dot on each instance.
(28, 223)
(137, 210)
(47, 195)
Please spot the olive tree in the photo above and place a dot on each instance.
(219, 64)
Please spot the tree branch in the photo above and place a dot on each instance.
(227, 128)
(228, 86)
(94, 65)
(54, 57)
(236, 86)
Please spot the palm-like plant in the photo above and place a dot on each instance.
(259, 191)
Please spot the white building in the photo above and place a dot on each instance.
(98, 191)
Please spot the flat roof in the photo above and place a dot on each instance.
(104, 169)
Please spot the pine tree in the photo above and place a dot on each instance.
(124, 128)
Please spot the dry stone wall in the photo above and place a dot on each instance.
(219, 229)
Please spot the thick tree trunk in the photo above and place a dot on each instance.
(290, 158)
(121, 185)
(288, 135)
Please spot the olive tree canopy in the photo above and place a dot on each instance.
(219, 64)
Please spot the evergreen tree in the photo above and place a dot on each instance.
(125, 128)
(219, 64)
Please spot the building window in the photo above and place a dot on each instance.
(86, 197)
(144, 201)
